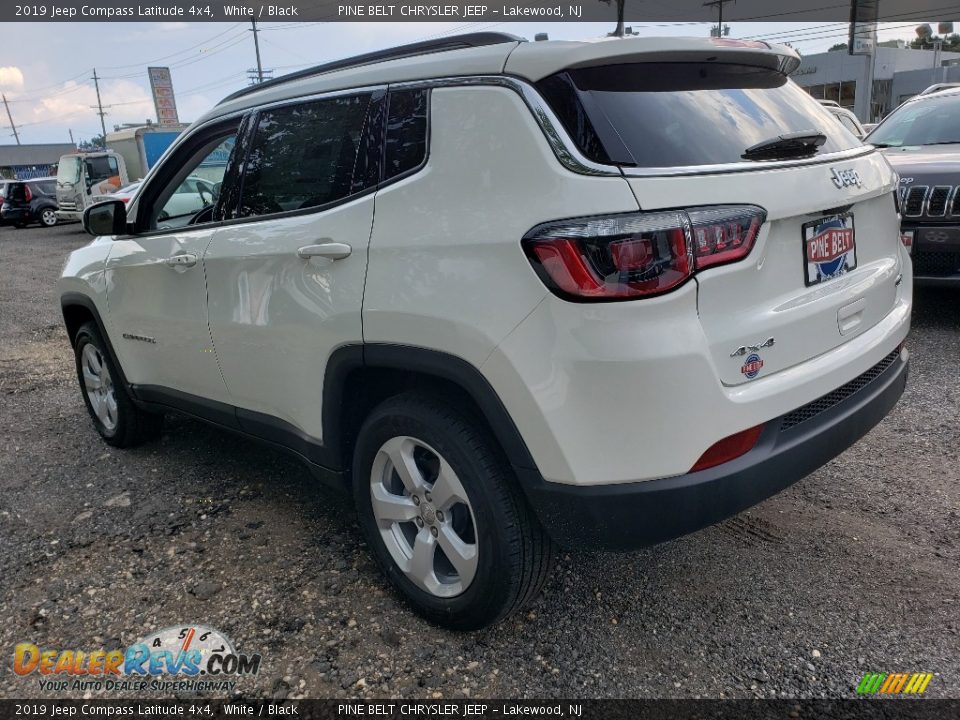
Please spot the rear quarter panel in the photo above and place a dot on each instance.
(446, 269)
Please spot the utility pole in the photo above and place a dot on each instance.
(10, 118)
(256, 45)
(937, 48)
(719, 5)
(100, 112)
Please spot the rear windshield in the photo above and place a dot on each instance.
(676, 114)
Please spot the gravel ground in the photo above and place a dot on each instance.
(855, 569)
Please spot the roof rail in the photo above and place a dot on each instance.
(457, 42)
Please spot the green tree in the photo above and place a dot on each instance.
(951, 43)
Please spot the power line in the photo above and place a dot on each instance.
(179, 52)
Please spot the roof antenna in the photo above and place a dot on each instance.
(619, 31)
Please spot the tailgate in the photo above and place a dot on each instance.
(761, 315)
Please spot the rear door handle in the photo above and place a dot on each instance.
(329, 250)
(183, 260)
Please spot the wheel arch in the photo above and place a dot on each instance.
(79, 309)
(359, 377)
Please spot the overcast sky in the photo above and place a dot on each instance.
(45, 69)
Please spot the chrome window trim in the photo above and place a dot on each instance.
(570, 156)
(726, 168)
(560, 142)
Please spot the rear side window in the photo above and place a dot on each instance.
(47, 188)
(675, 114)
(406, 141)
(302, 156)
(848, 124)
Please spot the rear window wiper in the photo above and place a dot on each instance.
(790, 145)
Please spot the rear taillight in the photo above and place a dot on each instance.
(125, 200)
(621, 257)
(27, 195)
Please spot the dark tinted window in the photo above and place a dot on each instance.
(303, 155)
(406, 143)
(47, 187)
(102, 167)
(17, 191)
(366, 174)
(674, 114)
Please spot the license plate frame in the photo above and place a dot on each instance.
(829, 246)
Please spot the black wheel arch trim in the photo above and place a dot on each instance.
(77, 299)
(445, 366)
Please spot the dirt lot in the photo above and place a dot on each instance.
(855, 569)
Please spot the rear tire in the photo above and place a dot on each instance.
(48, 218)
(119, 422)
(452, 530)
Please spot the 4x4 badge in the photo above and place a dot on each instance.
(744, 349)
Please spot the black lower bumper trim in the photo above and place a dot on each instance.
(631, 515)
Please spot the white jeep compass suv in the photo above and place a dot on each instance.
(511, 294)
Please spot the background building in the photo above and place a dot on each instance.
(23, 162)
(899, 73)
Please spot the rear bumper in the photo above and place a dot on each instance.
(16, 214)
(631, 515)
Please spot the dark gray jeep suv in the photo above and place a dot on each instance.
(921, 139)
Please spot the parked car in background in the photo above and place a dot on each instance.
(4, 182)
(937, 87)
(921, 139)
(30, 201)
(845, 117)
(124, 194)
(191, 196)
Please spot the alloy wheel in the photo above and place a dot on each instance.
(98, 386)
(424, 516)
